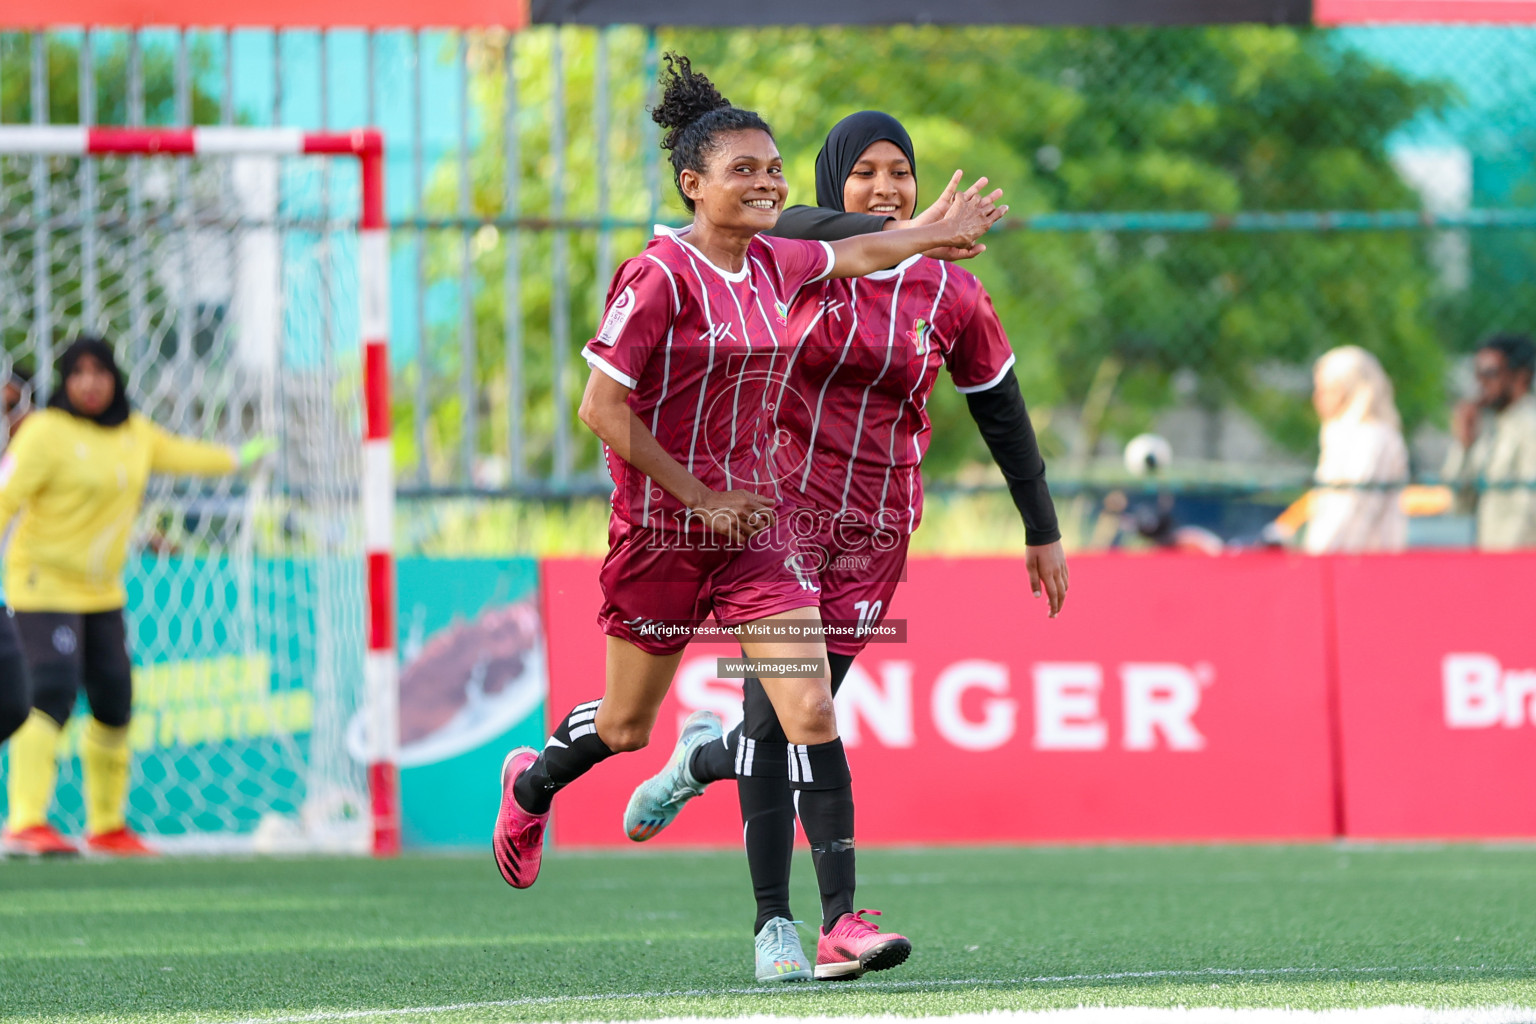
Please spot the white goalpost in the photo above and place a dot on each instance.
(261, 607)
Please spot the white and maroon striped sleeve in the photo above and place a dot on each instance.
(981, 354)
(641, 307)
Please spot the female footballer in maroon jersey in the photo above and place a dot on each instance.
(678, 393)
(852, 428)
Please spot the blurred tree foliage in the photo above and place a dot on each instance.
(111, 100)
(1110, 326)
(111, 65)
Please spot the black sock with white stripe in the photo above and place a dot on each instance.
(768, 822)
(570, 753)
(768, 830)
(818, 773)
(716, 762)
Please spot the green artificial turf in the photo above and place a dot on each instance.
(642, 934)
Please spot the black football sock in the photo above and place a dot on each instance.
(824, 801)
(716, 762)
(768, 830)
(838, 664)
(570, 753)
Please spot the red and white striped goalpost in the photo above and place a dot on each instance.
(381, 693)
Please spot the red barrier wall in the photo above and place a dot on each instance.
(30, 14)
(1176, 698)
(1437, 674)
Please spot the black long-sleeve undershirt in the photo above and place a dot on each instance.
(816, 224)
(1004, 422)
(999, 411)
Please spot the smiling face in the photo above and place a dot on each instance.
(882, 182)
(742, 187)
(90, 387)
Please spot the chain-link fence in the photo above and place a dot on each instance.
(1196, 215)
(250, 660)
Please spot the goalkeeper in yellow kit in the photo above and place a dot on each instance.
(75, 475)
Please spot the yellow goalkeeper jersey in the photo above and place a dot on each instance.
(77, 487)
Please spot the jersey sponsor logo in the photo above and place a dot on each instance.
(920, 336)
(833, 308)
(618, 316)
(718, 333)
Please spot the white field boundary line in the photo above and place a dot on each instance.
(1528, 1014)
(1166, 1015)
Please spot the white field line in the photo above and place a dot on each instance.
(1503, 1015)
(1180, 1015)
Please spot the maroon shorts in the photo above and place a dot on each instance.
(660, 585)
(859, 572)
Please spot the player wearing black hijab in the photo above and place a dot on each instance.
(856, 460)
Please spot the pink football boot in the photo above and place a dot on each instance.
(519, 837)
(855, 945)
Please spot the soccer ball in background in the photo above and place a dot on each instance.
(1148, 454)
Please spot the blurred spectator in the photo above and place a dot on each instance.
(1495, 446)
(16, 398)
(1363, 464)
(1151, 515)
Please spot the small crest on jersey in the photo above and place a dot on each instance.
(921, 329)
(618, 316)
(782, 308)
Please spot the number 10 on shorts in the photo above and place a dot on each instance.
(869, 614)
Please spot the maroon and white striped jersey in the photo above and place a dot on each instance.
(852, 421)
(698, 348)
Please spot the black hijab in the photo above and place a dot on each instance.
(846, 142)
(114, 415)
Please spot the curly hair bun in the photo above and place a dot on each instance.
(686, 96)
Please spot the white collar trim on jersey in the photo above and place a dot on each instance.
(736, 278)
(896, 271)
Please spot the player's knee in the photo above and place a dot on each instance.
(53, 689)
(112, 701)
(624, 737)
(813, 718)
(113, 717)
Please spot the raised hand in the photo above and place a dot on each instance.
(941, 205)
(1464, 423)
(254, 450)
(971, 214)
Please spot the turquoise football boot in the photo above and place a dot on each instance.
(780, 956)
(659, 799)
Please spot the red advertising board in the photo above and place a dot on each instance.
(1437, 685)
(1175, 698)
(1419, 12)
(26, 14)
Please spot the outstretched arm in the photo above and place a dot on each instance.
(1004, 422)
(969, 217)
(183, 456)
(818, 224)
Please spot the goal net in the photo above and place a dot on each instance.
(228, 270)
